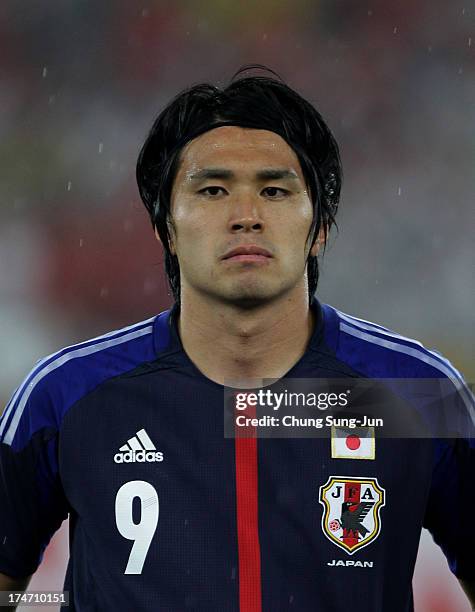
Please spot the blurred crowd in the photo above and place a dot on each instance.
(82, 82)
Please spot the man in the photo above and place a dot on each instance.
(125, 432)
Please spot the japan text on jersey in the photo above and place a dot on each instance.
(123, 434)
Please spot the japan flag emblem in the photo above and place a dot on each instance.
(354, 443)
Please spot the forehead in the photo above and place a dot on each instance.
(237, 148)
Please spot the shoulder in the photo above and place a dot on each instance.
(375, 350)
(59, 380)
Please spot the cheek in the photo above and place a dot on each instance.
(306, 210)
(193, 235)
(298, 224)
(184, 220)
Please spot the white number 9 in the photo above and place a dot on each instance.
(142, 532)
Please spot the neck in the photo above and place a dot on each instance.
(228, 343)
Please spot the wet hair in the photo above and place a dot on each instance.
(259, 102)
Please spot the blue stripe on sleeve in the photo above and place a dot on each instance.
(60, 380)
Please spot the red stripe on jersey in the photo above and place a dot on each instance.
(249, 551)
(352, 494)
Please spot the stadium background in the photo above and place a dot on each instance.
(81, 84)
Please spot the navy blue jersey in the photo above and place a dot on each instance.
(124, 435)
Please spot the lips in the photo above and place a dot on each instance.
(248, 252)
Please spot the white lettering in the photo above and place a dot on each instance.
(252, 399)
(341, 422)
(290, 420)
(340, 563)
(140, 456)
(278, 400)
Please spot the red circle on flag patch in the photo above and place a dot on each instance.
(353, 442)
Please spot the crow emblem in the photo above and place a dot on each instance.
(353, 515)
(351, 511)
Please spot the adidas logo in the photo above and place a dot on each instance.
(138, 449)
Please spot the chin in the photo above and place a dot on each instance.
(251, 297)
(248, 302)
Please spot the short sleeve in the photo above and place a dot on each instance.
(451, 503)
(32, 502)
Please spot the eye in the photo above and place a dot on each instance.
(275, 192)
(212, 190)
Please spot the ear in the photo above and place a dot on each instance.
(318, 243)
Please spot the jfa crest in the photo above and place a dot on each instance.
(351, 511)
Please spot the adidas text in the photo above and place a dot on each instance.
(140, 456)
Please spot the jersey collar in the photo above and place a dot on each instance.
(167, 339)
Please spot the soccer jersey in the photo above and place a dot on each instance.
(125, 435)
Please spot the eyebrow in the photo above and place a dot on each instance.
(262, 175)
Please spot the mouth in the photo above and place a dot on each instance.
(248, 253)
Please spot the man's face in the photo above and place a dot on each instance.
(242, 189)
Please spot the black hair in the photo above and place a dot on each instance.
(259, 102)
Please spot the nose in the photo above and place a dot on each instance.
(245, 216)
